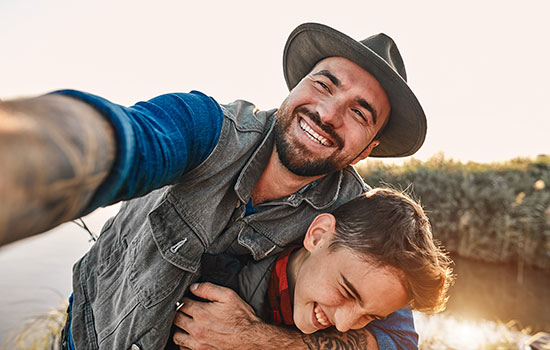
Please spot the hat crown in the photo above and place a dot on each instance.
(385, 47)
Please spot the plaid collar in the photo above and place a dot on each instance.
(278, 306)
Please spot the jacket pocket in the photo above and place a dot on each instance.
(166, 251)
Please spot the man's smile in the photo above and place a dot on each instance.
(313, 135)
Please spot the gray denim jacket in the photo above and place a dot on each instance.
(127, 285)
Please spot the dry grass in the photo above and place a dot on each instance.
(39, 333)
(437, 332)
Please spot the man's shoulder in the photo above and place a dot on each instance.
(353, 179)
(246, 116)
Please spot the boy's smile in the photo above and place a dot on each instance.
(338, 287)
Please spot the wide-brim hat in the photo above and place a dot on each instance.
(311, 42)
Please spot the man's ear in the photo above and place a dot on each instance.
(366, 152)
(320, 231)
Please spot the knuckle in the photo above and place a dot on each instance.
(200, 314)
(179, 319)
(229, 293)
(199, 333)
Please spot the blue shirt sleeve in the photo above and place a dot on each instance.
(396, 331)
(157, 141)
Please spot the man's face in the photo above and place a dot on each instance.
(328, 120)
(341, 289)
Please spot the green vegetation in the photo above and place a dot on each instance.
(497, 212)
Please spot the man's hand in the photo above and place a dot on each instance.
(55, 152)
(223, 323)
(227, 322)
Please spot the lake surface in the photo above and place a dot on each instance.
(35, 273)
(35, 276)
(494, 292)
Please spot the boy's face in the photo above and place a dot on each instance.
(338, 288)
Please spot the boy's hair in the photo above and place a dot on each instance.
(388, 228)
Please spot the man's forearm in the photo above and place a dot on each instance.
(274, 337)
(55, 151)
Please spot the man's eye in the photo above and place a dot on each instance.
(358, 112)
(323, 85)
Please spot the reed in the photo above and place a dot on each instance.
(498, 212)
(436, 332)
(39, 333)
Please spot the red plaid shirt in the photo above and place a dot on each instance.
(279, 307)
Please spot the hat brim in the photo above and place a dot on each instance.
(311, 42)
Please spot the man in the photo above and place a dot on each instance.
(245, 182)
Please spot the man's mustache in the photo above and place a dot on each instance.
(314, 116)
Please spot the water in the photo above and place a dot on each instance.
(35, 273)
(35, 276)
(495, 292)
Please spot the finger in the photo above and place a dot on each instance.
(212, 292)
(182, 321)
(184, 340)
(188, 340)
(194, 308)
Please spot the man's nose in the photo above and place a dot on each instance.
(330, 113)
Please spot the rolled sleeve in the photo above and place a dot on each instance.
(396, 331)
(157, 141)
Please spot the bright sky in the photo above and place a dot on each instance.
(480, 68)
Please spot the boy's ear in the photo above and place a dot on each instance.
(320, 231)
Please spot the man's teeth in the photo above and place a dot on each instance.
(320, 315)
(313, 135)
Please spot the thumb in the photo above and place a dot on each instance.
(212, 292)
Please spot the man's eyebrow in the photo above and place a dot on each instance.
(329, 75)
(368, 107)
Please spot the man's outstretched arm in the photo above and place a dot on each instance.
(67, 153)
(55, 151)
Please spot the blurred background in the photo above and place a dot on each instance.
(479, 68)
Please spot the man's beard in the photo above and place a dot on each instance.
(297, 158)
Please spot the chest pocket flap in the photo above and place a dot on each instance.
(166, 258)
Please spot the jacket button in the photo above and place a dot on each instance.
(135, 347)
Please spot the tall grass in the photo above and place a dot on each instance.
(496, 212)
(39, 333)
(437, 332)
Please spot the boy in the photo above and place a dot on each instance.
(369, 258)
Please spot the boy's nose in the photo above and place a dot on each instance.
(344, 321)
